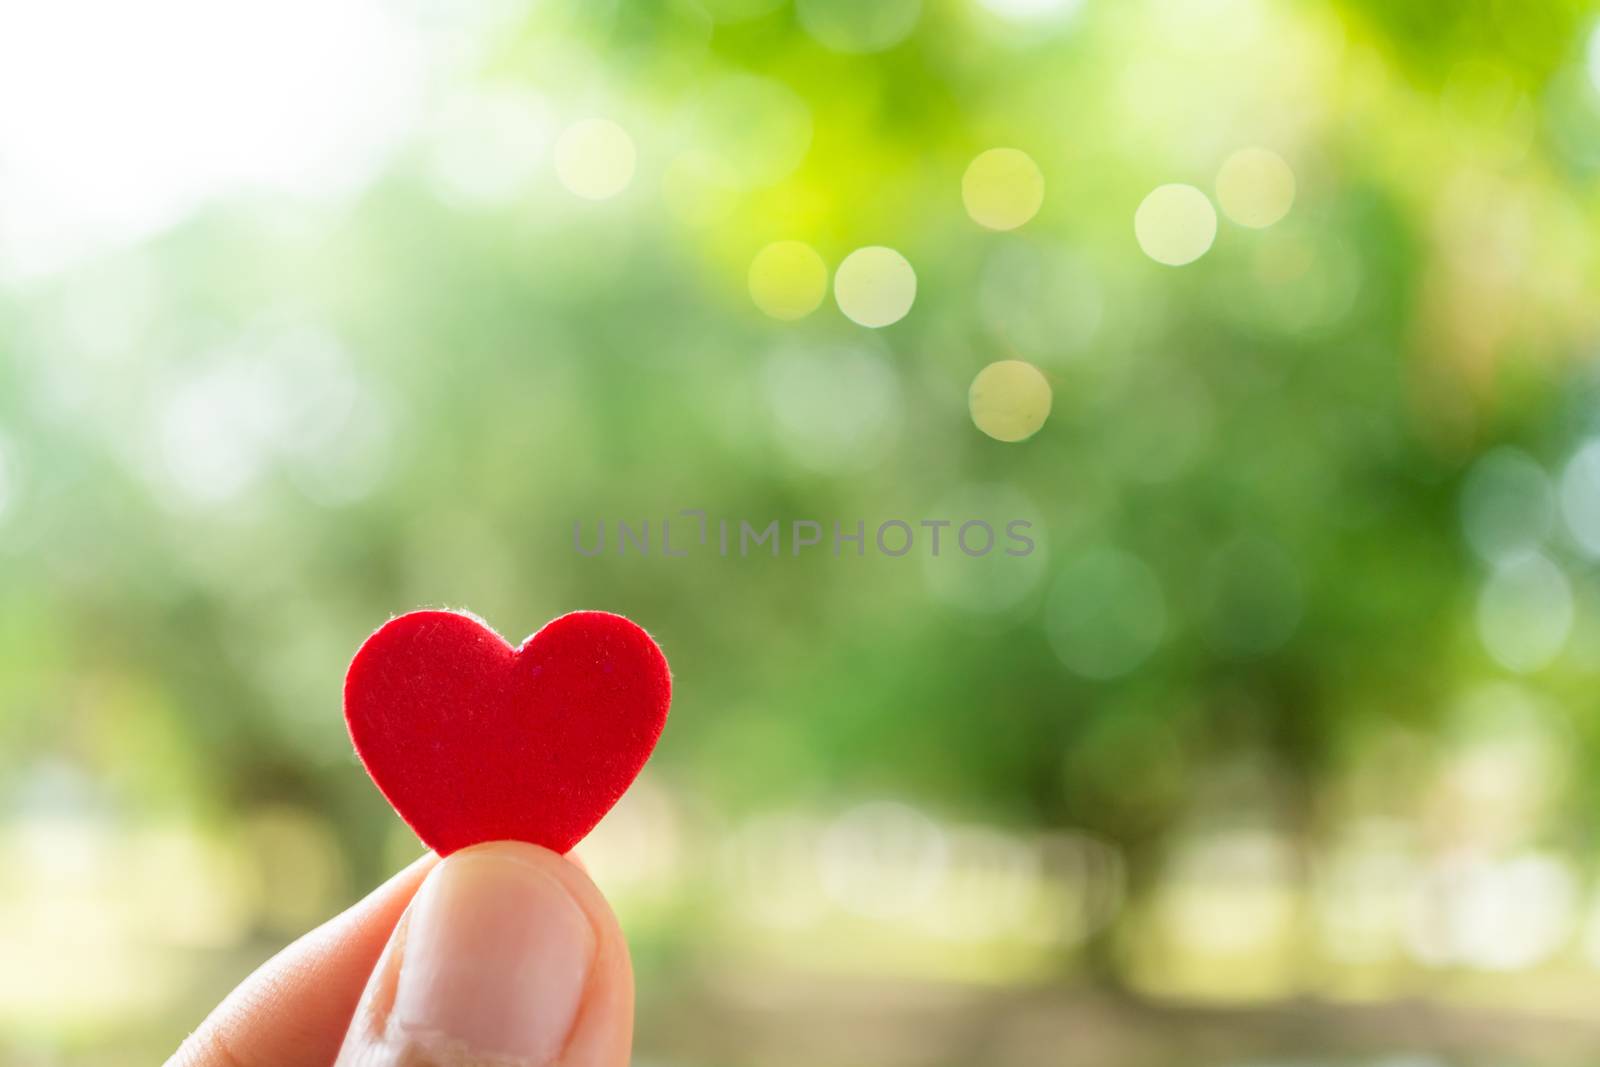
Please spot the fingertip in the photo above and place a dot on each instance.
(508, 953)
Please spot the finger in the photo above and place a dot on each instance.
(293, 1011)
(508, 955)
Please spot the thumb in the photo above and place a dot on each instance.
(508, 955)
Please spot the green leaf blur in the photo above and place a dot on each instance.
(1285, 727)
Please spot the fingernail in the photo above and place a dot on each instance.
(496, 956)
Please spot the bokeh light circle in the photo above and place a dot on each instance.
(595, 159)
(858, 26)
(1525, 613)
(1255, 187)
(788, 279)
(1002, 188)
(834, 407)
(1106, 614)
(875, 286)
(1009, 400)
(1175, 224)
(1580, 497)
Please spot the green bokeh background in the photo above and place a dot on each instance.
(1337, 811)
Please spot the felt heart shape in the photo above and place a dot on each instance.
(472, 740)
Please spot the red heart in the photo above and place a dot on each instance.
(472, 740)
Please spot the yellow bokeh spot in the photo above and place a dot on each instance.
(1002, 188)
(788, 279)
(1009, 400)
(1255, 187)
(595, 159)
(1175, 224)
(875, 286)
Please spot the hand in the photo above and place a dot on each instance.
(508, 956)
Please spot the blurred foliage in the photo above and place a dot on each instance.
(234, 448)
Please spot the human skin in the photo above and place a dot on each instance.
(501, 955)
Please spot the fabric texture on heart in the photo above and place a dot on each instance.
(473, 740)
